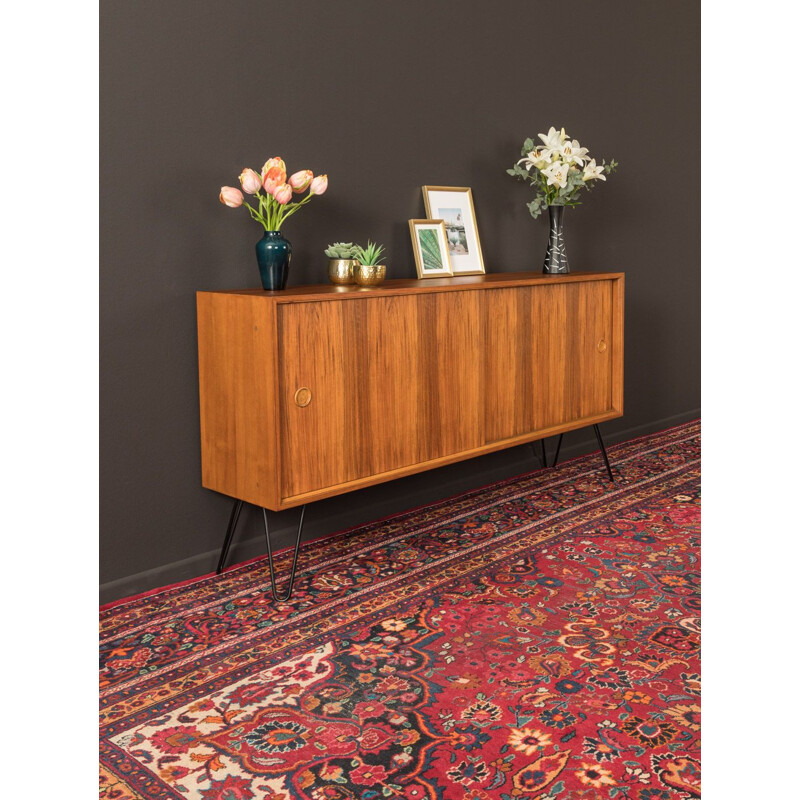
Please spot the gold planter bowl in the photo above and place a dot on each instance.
(340, 270)
(369, 275)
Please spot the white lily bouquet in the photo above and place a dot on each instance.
(559, 170)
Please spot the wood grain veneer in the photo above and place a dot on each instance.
(402, 378)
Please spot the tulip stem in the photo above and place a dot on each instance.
(293, 207)
(254, 214)
(271, 214)
(273, 226)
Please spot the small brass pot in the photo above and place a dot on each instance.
(340, 270)
(369, 275)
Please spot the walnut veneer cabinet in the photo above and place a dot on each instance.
(319, 390)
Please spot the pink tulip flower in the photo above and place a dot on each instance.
(250, 180)
(318, 185)
(283, 193)
(274, 177)
(300, 180)
(231, 197)
(273, 162)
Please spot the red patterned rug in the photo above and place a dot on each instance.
(538, 638)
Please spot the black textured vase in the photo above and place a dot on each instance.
(555, 260)
(274, 254)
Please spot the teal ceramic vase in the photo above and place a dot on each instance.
(274, 254)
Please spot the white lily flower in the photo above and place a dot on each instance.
(556, 174)
(572, 151)
(553, 140)
(592, 172)
(536, 158)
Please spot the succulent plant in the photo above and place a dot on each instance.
(370, 255)
(341, 250)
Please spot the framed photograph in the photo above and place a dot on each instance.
(453, 205)
(431, 251)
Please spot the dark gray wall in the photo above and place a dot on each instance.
(383, 97)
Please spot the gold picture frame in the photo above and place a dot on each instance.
(453, 205)
(431, 254)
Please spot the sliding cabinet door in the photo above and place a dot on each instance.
(589, 332)
(319, 389)
(384, 383)
(548, 356)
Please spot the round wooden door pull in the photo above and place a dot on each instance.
(302, 396)
(602, 346)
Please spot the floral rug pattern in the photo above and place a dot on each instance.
(538, 638)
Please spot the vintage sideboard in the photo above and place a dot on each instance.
(319, 390)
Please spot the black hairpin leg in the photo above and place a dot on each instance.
(542, 457)
(603, 451)
(273, 585)
(558, 449)
(226, 545)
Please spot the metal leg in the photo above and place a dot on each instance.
(273, 584)
(541, 457)
(226, 545)
(603, 451)
(558, 449)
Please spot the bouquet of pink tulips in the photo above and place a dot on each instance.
(273, 190)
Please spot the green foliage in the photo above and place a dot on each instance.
(537, 205)
(341, 250)
(551, 195)
(567, 195)
(370, 255)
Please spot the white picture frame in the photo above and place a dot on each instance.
(453, 205)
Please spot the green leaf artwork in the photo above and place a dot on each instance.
(429, 248)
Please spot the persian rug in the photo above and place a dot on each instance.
(537, 638)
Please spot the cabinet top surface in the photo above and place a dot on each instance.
(495, 280)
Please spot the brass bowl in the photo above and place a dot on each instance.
(369, 275)
(340, 270)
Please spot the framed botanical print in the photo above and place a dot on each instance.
(453, 205)
(431, 250)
